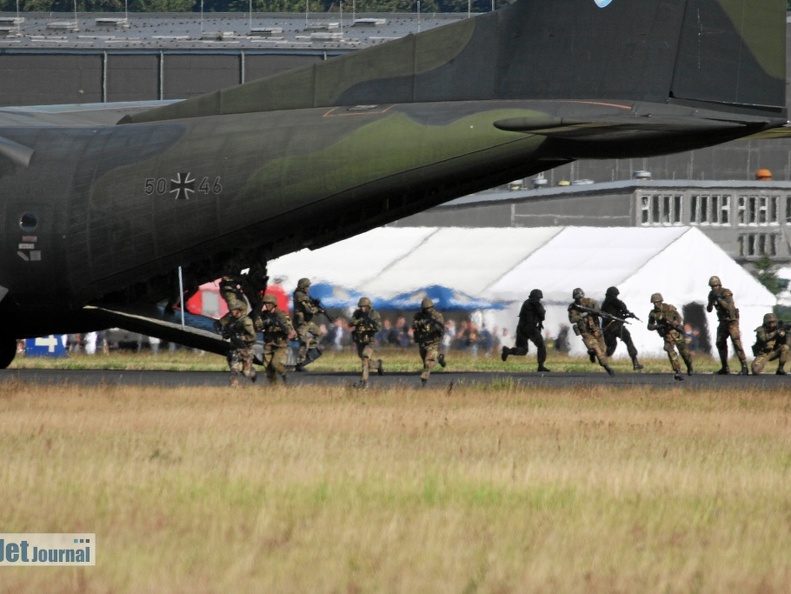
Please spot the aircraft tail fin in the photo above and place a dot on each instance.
(723, 54)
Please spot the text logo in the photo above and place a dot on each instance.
(47, 549)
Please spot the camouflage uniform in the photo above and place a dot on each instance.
(666, 320)
(613, 329)
(240, 331)
(277, 329)
(365, 323)
(428, 327)
(531, 323)
(586, 326)
(728, 316)
(771, 343)
(305, 308)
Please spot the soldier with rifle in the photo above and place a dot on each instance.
(666, 320)
(277, 329)
(771, 342)
(614, 328)
(531, 323)
(584, 316)
(237, 327)
(428, 327)
(308, 333)
(728, 316)
(365, 323)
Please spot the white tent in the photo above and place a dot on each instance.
(675, 261)
(506, 263)
(351, 262)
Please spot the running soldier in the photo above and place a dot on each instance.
(366, 323)
(428, 327)
(615, 328)
(308, 333)
(277, 329)
(237, 327)
(531, 323)
(666, 320)
(771, 343)
(728, 316)
(584, 317)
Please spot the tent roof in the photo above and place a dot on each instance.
(509, 262)
(466, 259)
(350, 262)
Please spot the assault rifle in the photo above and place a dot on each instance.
(600, 313)
(629, 315)
(320, 308)
(670, 325)
(273, 320)
(231, 332)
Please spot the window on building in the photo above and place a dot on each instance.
(742, 211)
(709, 210)
(757, 244)
(658, 209)
(725, 210)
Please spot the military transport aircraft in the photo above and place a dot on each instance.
(102, 203)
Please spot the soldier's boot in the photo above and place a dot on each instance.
(544, 369)
(688, 363)
(744, 370)
(253, 376)
(504, 354)
(423, 382)
(677, 375)
(780, 370)
(234, 382)
(379, 367)
(636, 364)
(441, 360)
(724, 369)
(300, 366)
(592, 355)
(284, 379)
(608, 369)
(361, 385)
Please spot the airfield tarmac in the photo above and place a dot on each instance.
(405, 380)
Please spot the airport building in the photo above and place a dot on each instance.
(748, 219)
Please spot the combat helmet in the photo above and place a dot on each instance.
(363, 302)
(303, 283)
(578, 293)
(656, 298)
(536, 294)
(236, 304)
(426, 303)
(770, 318)
(714, 281)
(269, 298)
(613, 292)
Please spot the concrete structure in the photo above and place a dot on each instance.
(746, 219)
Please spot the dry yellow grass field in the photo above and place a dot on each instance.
(333, 490)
